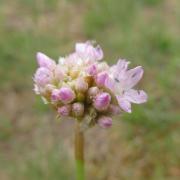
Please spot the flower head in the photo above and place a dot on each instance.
(84, 88)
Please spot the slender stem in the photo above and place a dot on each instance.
(79, 152)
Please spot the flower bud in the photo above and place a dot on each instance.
(92, 92)
(78, 109)
(102, 101)
(113, 109)
(105, 122)
(43, 76)
(55, 95)
(64, 110)
(66, 95)
(81, 85)
(45, 61)
(92, 70)
(101, 78)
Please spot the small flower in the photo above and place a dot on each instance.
(105, 121)
(101, 78)
(81, 85)
(43, 76)
(64, 110)
(121, 82)
(87, 51)
(45, 61)
(102, 101)
(78, 109)
(66, 95)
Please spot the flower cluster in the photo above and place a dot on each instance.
(84, 87)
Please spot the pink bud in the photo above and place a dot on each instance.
(81, 85)
(105, 122)
(64, 110)
(66, 95)
(55, 95)
(93, 91)
(113, 109)
(102, 101)
(92, 70)
(43, 76)
(45, 61)
(78, 109)
(101, 78)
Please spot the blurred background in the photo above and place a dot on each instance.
(142, 145)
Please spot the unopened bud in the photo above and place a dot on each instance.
(92, 70)
(78, 109)
(93, 91)
(105, 122)
(81, 85)
(55, 95)
(101, 78)
(113, 109)
(45, 61)
(64, 110)
(102, 101)
(66, 95)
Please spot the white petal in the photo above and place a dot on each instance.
(132, 77)
(124, 104)
(136, 96)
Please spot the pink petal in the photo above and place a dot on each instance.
(109, 83)
(136, 96)
(122, 65)
(86, 50)
(133, 77)
(45, 61)
(124, 104)
(98, 53)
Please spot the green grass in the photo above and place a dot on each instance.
(146, 32)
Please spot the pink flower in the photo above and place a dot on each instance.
(105, 122)
(101, 78)
(45, 61)
(64, 110)
(78, 109)
(102, 101)
(43, 76)
(66, 95)
(87, 51)
(121, 82)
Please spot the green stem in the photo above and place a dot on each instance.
(79, 152)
